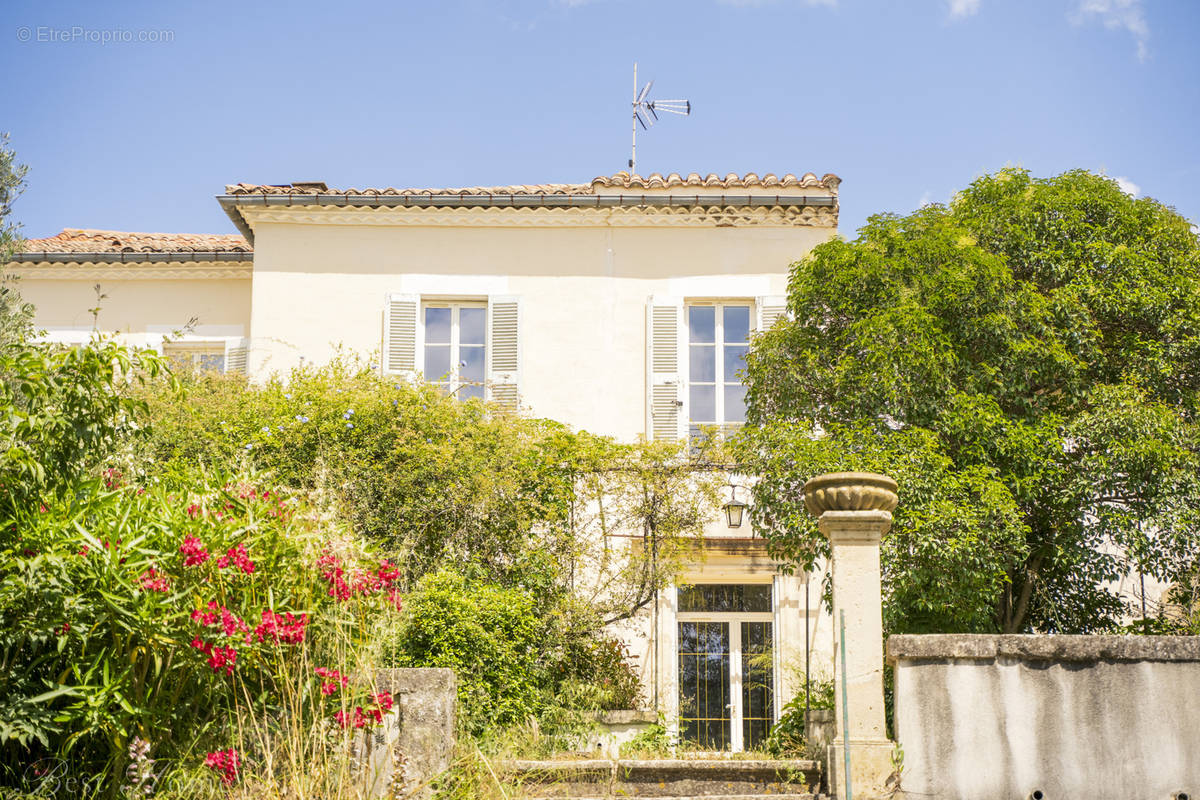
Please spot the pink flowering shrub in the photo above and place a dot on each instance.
(175, 609)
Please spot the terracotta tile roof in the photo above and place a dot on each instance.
(600, 185)
(82, 240)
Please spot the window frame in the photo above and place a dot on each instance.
(719, 343)
(196, 350)
(454, 383)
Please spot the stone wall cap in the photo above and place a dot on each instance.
(1042, 647)
(625, 717)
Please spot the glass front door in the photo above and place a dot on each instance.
(726, 672)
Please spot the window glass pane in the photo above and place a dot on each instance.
(703, 405)
(470, 364)
(437, 325)
(212, 361)
(471, 325)
(703, 362)
(701, 324)
(737, 323)
(735, 361)
(729, 597)
(437, 361)
(735, 403)
(467, 391)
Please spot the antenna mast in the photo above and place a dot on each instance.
(649, 108)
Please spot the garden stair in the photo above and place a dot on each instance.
(667, 779)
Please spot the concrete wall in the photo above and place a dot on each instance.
(416, 742)
(1100, 717)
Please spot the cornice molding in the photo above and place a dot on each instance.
(91, 271)
(623, 217)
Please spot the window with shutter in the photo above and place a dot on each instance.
(400, 334)
(504, 368)
(664, 412)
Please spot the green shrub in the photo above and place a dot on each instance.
(490, 636)
(788, 737)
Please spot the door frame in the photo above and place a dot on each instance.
(733, 619)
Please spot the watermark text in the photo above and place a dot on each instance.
(79, 34)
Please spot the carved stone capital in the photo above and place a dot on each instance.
(850, 491)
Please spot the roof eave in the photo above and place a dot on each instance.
(165, 257)
(231, 203)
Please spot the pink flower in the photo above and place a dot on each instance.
(359, 720)
(194, 551)
(333, 680)
(284, 628)
(225, 763)
(153, 581)
(112, 478)
(384, 700)
(193, 510)
(219, 658)
(239, 557)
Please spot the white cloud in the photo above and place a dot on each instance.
(960, 9)
(1118, 15)
(1127, 186)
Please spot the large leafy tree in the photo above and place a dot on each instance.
(1026, 361)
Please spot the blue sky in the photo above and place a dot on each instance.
(906, 100)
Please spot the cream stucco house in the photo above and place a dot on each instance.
(621, 306)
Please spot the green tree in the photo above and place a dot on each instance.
(16, 316)
(1027, 361)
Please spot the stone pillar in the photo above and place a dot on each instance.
(854, 511)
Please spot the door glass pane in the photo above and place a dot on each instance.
(703, 362)
(471, 325)
(703, 405)
(758, 698)
(702, 324)
(725, 597)
(737, 323)
(437, 325)
(437, 360)
(704, 713)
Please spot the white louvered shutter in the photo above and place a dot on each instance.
(400, 334)
(770, 309)
(664, 386)
(237, 353)
(504, 351)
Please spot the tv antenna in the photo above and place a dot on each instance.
(645, 113)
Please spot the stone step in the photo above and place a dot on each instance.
(793, 779)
